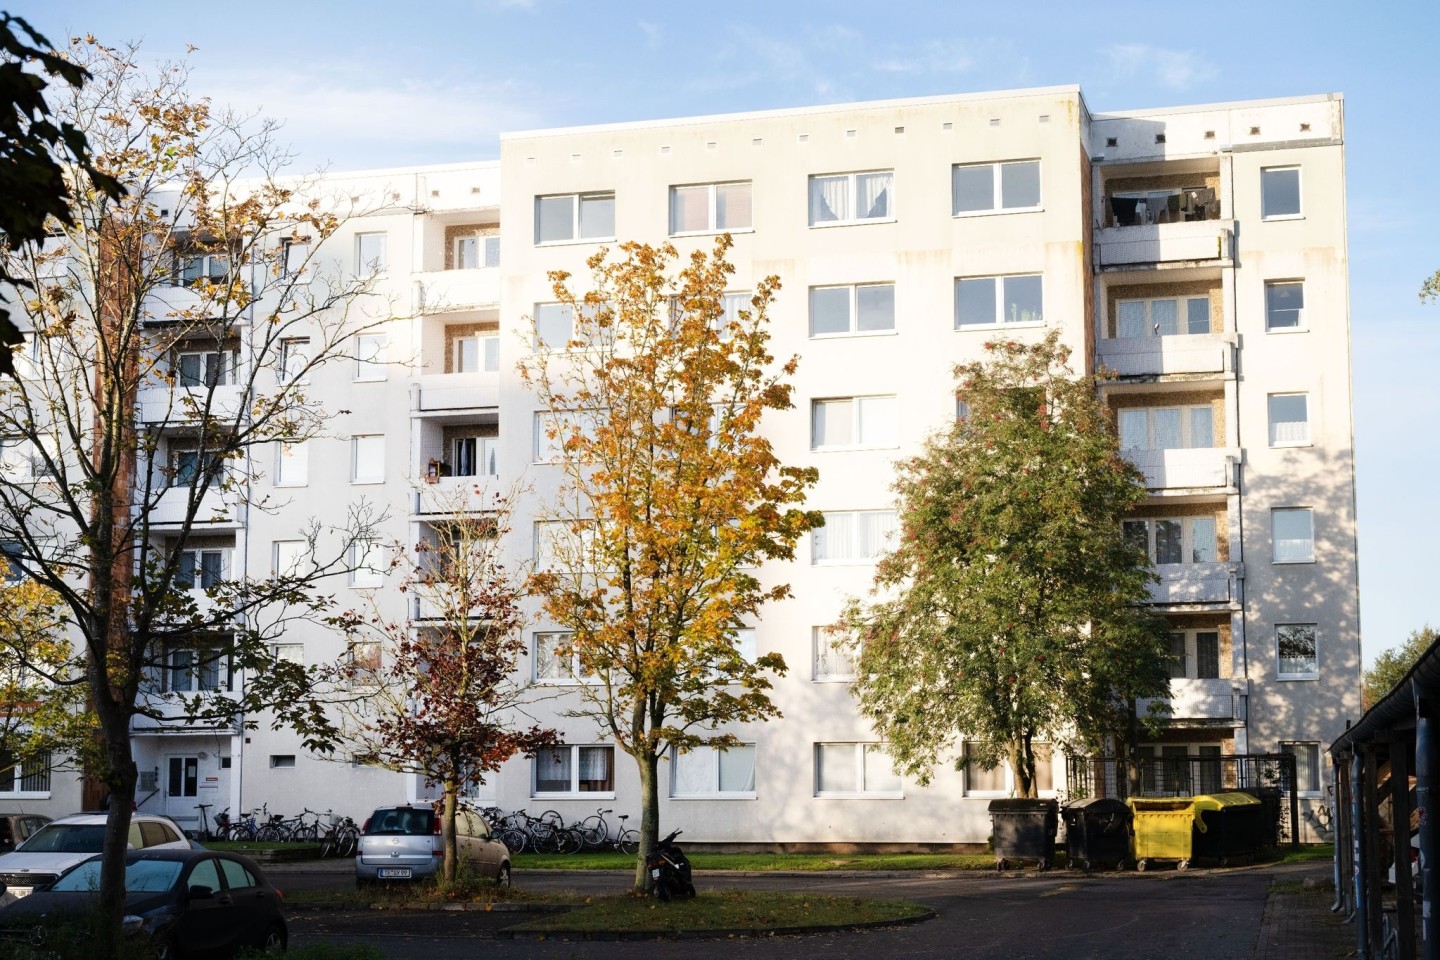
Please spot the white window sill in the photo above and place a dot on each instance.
(26, 795)
(597, 794)
(867, 562)
(368, 379)
(962, 327)
(966, 214)
(1291, 446)
(833, 680)
(858, 795)
(1292, 563)
(1297, 676)
(566, 682)
(854, 449)
(291, 483)
(852, 334)
(1282, 216)
(573, 242)
(707, 797)
(826, 224)
(713, 233)
(367, 483)
(1270, 329)
(366, 586)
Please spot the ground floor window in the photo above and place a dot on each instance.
(27, 778)
(575, 769)
(855, 770)
(710, 772)
(1307, 766)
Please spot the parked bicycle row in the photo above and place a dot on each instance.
(336, 834)
(549, 833)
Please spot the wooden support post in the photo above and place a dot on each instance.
(1371, 870)
(1400, 816)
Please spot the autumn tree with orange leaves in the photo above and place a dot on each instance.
(673, 499)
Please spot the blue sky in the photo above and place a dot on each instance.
(367, 84)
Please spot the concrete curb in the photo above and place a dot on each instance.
(718, 934)
(502, 907)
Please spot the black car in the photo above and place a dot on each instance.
(188, 903)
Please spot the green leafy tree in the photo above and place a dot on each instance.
(1391, 665)
(1008, 612)
(672, 499)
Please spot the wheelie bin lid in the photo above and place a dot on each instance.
(1220, 801)
(1022, 805)
(1097, 805)
(1161, 804)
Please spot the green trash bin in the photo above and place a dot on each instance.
(1227, 826)
(1164, 830)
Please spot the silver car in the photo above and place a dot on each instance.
(403, 843)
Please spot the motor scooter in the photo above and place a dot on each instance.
(669, 870)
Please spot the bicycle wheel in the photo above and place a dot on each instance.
(593, 833)
(628, 842)
(346, 843)
(269, 833)
(513, 839)
(571, 840)
(327, 844)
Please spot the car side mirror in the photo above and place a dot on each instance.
(201, 892)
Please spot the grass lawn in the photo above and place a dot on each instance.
(765, 862)
(723, 910)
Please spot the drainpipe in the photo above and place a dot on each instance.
(1426, 768)
(1357, 807)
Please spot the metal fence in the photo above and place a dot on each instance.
(1269, 776)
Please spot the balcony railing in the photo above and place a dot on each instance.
(217, 508)
(447, 291)
(1195, 583)
(169, 718)
(452, 495)
(1216, 699)
(441, 392)
(1180, 353)
(1202, 240)
(1203, 467)
(183, 404)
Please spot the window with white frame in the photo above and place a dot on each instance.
(853, 309)
(197, 669)
(1289, 415)
(985, 187)
(370, 254)
(290, 558)
(1162, 317)
(565, 545)
(569, 770)
(294, 355)
(555, 662)
(201, 569)
(1307, 766)
(367, 563)
(205, 368)
(364, 656)
(1292, 531)
(477, 354)
(370, 356)
(999, 781)
(367, 458)
(1285, 305)
(193, 266)
(711, 772)
(189, 464)
(1194, 655)
(1295, 651)
(16, 458)
(574, 216)
(554, 429)
(1173, 539)
(472, 253)
(27, 779)
(292, 463)
(1280, 193)
(849, 423)
(288, 653)
(853, 536)
(842, 198)
(710, 207)
(1167, 428)
(993, 301)
(475, 456)
(554, 326)
(833, 656)
(294, 254)
(855, 770)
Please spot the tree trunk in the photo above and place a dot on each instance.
(121, 777)
(1022, 764)
(447, 830)
(649, 765)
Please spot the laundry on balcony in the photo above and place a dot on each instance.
(1164, 206)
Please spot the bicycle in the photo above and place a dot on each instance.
(341, 838)
(596, 833)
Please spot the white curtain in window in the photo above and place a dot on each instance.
(737, 769)
(873, 194)
(548, 664)
(1202, 540)
(835, 763)
(467, 355)
(490, 348)
(1130, 319)
(1164, 318)
(829, 199)
(554, 325)
(552, 770)
(595, 763)
(880, 775)
(1202, 427)
(1167, 428)
(879, 421)
(689, 209)
(1134, 430)
(1294, 535)
(877, 528)
(694, 774)
(1289, 418)
(833, 423)
(732, 206)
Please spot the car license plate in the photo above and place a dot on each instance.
(19, 892)
(394, 873)
(655, 874)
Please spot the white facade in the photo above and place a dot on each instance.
(1223, 312)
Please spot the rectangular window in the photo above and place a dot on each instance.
(16, 458)
(1176, 540)
(294, 355)
(28, 780)
(201, 569)
(554, 326)
(833, 657)
(1279, 193)
(1307, 766)
(843, 311)
(1295, 650)
(854, 769)
(11, 571)
(574, 770)
(370, 254)
(1167, 428)
(370, 356)
(294, 254)
(205, 368)
(999, 782)
(553, 666)
(848, 423)
(851, 197)
(197, 669)
(564, 545)
(192, 267)
(1195, 655)
(190, 465)
(1289, 419)
(854, 536)
(367, 563)
(282, 761)
(982, 187)
(990, 301)
(1285, 305)
(292, 463)
(490, 250)
(1163, 317)
(708, 772)
(574, 216)
(1293, 534)
(467, 253)
(710, 207)
(367, 459)
(475, 456)
(288, 652)
(290, 558)
(477, 354)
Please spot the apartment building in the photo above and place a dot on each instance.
(1199, 253)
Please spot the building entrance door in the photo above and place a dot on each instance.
(182, 785)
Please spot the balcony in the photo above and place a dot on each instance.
(167, 406)
(1181, 353)
(1200, 241)
(449, 291)
(183, 305)
(218, 510)
(169, 719)
(447, 496)
(1206, 700)
(1203, 467)
(451, 392)
(1183, 583)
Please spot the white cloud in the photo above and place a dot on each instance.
(1173, 69)
(935, 56)
(654, 36)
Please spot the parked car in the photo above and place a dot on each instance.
(186, 903)
(403, 843)
(62, 843)
(16, 828)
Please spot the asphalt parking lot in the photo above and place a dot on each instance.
(1018, 916)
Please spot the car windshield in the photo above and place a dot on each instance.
(402, 823)
(142, 876)
(66, 838)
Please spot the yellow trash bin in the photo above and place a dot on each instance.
(1163, 830)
